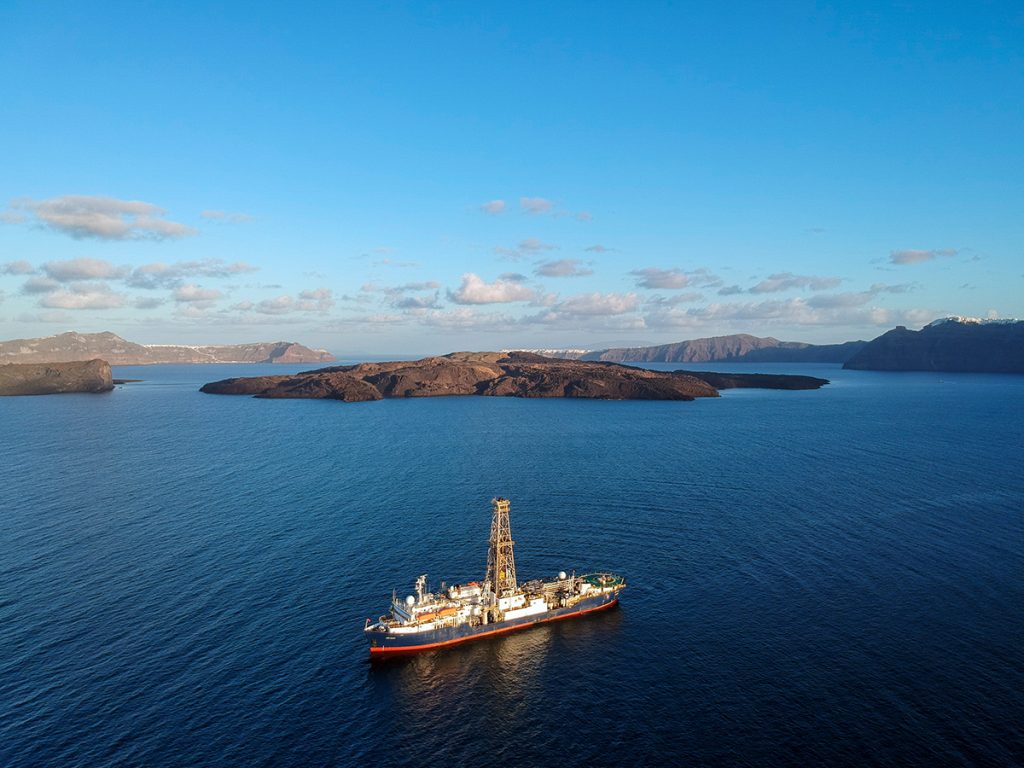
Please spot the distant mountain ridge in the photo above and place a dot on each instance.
(954, 344)
(71, 346)
(737, 348)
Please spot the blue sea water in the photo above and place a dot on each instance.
(830, 577)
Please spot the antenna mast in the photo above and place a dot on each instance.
(501, 563)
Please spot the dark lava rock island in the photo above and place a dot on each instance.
(499, 374)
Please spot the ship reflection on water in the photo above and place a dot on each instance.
(494, 677)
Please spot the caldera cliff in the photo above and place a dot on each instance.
(738, 348)
(954, 344)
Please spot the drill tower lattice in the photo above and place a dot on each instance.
(501, 562)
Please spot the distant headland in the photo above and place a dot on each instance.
(952, 344)
(499, 374)
(66, 347)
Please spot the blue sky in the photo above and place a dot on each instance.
(420, 178)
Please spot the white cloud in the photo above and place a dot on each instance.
(651, 277)
(395, 296)
(494, 207)
(673, 279)
(281, 305)
(785, 281)
(427, 285)
(536, 205)
(84, 269)
(850, 299)
(913, 256)
(316, 300)
(598, 304)
(612, 311)
(533, 245)
(563, 268)
(382, 319)
(474, 290)
(201, 298)
(20, 267)
(782, 312)
(312, 300)
(426, 301)
(464, 319)
(610, 319)
(530, 245)
(393, 290)
(160, 275)
(856, 298)
(105, 218)
(899, 288)
(148, 302)
(40, 285)
(192, 312)
(84, 296)
(545, 300)
(673, 300)
(371, 323)
(598, 248)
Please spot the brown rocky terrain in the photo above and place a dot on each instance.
(108, 346)
(492, 374)
(55, 378)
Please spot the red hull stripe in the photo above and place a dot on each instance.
(410, 648)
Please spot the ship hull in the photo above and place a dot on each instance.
(386, 643)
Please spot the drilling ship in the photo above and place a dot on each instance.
(499, 604)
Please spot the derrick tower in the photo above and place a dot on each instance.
(501, 563)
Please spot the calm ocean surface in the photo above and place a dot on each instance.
(818, 578)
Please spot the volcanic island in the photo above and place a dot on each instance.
(500, 374)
